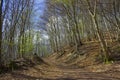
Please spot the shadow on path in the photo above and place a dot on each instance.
(80, 76)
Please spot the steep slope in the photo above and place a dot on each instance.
(88, 56)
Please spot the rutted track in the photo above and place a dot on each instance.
(59, 70)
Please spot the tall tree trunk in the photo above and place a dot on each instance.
(101, 39)
(99, 34)
(1, 4)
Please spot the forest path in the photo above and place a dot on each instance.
(58, 71)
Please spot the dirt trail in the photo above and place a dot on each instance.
(58, 72)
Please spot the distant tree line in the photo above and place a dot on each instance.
(18, 38)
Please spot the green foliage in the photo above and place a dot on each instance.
(63, 1)
(101, 58)
(44, 50)
(29, 45)
(26, 46)
(6, 42)
(12, 65)
(66, 2)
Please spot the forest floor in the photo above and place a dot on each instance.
(66, 67)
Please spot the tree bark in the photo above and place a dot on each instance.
(1, 22)
(99, 34)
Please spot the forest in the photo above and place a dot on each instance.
(59, 39)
